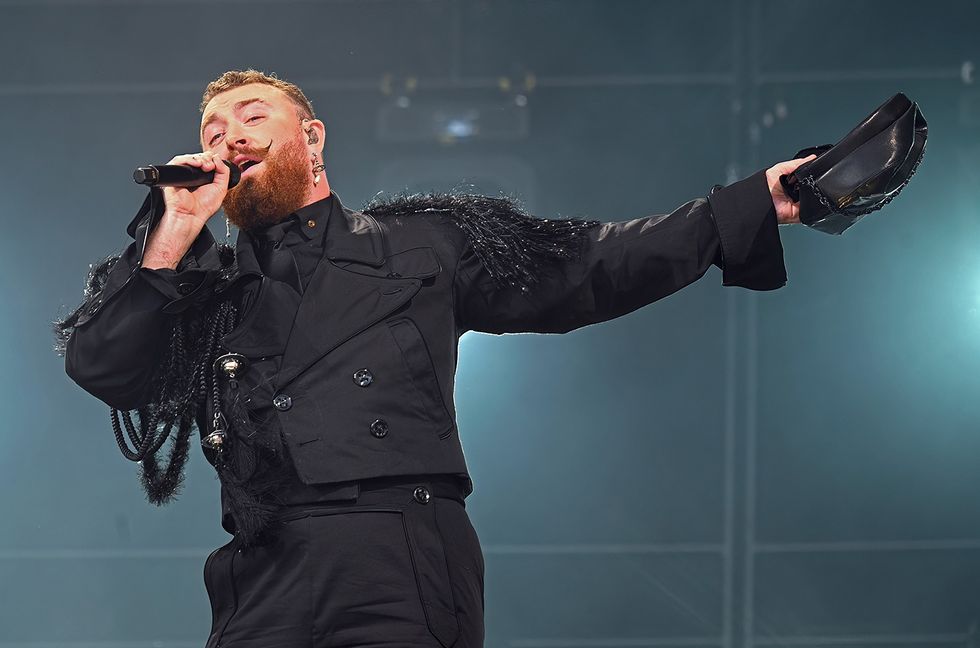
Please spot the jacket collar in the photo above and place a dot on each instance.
(351, 236)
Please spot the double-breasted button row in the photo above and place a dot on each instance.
(363, 378)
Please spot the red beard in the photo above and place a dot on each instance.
(282, 188)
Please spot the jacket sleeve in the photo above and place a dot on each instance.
(122, 331)
(626, 265)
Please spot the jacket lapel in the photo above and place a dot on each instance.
(266, 323)
(339, 302)
(248, 264)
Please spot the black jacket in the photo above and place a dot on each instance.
(374, 336)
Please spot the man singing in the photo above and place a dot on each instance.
(317, 360)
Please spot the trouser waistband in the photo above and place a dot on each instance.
(438, 485)
(374, 490)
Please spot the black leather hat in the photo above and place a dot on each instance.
(863, 171)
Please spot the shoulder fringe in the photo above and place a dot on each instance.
(511, 244)
(98, 276)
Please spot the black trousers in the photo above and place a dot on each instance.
(398, 566)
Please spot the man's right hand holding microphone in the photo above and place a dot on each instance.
(186, 210)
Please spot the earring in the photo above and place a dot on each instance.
(317, 168)
(227, 228)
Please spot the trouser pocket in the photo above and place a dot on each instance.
(354, 575)
(432, 572)
(380, 571)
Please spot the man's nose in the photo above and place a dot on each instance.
(236, 139)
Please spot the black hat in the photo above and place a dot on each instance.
(863, 171)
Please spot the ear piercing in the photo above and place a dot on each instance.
(317, 168)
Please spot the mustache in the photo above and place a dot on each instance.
(260, 152)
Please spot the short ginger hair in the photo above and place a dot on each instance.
(236, 78)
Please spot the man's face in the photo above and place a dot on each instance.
(257, 127)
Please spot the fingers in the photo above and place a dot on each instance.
(222, 174)
(794, 217)
(220, 168)
(787, 210)
(205, 161)
(799, 161)
(791, 165)
(187, 159)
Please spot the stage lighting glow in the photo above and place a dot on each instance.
(450, 120)
(460, 128)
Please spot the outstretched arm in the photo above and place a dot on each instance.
(625, 265)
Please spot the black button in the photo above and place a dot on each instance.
(421, 495)
(363, 377)
(282, 402)
(185, 288)
(379, 428)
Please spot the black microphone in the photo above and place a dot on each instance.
(178, 175)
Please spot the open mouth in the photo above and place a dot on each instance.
(248, 164)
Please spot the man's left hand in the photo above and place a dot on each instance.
(787, 211)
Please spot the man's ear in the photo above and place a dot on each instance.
(316, 135)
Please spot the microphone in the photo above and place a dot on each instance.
(178, 175)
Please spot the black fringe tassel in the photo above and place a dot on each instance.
(511, 244)
(251, 466)
(98, 274)
(254, 470)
